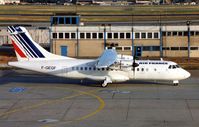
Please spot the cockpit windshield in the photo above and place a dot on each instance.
(173, 66)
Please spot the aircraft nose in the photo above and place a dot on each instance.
(187, 74)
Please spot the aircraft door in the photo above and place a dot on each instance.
(138, 51)
(65, 71)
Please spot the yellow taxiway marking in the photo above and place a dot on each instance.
(101, 106)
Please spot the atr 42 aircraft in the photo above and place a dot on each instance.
(109, 67)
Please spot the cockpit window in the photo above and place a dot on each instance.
(173, 66)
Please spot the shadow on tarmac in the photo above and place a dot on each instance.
(39, 78)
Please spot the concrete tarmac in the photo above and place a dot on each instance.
(29, 99)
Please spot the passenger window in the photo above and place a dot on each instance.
(81, 68)
(155, 69)
(102, 69)
(147, 69)
(174, 67)
(90, 68)
(94, 68)
(169, 66)
(77, 68)
(85, 68)
(138, 69)
(73, 68)
(98, 69)
(142, 69)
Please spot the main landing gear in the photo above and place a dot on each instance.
(106, 81)
(175, 82)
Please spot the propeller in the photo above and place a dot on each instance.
(134, 65)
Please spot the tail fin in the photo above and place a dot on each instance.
(26, 48)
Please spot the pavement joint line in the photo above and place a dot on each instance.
(90, 93)
(41, 104)
(127, 114)
(187, 103)
(67, 110)
(101, 106)
(4, 116)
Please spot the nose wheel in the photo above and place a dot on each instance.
(175, 82)
(106, 81)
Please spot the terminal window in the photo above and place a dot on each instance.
(100, 35)
(137, 35)
(197, 32)
(192, 33)
(127, 48)
(55, 19)
(194, 48)
(74, 20)
(73, 35)
(88, 35)
(61, 20)
(175, 33)
(143, 35)
(149, 35)
(66, 35)
(94, 35)
(54, 35)
(128, 35)
(163, 34)
(179, 33)
(115, 35)
(174, 48)
(61, 35)
(168, 33)
(110, 35)
(155, 48)
(185, 33)
(121, 35)
(155, 35)
(82, 35)
(67, 20)
(183, 48)
(146, 48)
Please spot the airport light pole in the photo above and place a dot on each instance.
(188, 37)
(133, 52)
(77, 35)
(161, 37)
(132, 30)
(104, 36)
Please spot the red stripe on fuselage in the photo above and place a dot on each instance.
(18, 50)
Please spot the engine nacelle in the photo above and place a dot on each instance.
(118, 78)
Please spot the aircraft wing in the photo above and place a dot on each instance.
(108, 58)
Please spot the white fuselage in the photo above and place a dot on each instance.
(80, 69)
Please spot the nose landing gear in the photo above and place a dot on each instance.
(175, 82)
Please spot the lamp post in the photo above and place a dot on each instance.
(188, 37)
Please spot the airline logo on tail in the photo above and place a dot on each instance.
(23, 44)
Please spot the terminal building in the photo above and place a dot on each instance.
(70, 37)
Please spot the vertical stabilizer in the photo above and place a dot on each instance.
(26, 48)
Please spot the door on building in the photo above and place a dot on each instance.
(138, 51)
(64, 50)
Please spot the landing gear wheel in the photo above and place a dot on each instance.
(104, 84)
(175, 84)
(106, 81)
